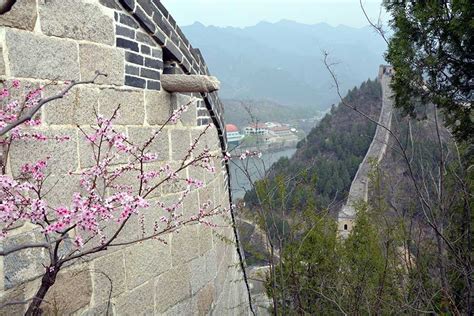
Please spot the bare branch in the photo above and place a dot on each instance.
(23, 247)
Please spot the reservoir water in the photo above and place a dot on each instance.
(253, 168)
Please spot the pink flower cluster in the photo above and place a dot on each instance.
(106, 194)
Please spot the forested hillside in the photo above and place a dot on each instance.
(327, 160)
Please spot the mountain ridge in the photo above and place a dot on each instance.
(283, 61)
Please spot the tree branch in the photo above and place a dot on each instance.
(29, 115)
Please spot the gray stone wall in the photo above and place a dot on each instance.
(197, 271)
(378, 146)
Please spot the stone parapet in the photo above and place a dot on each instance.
(48, 43)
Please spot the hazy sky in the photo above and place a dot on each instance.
(249, 12)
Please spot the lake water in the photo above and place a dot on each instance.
(253, 168)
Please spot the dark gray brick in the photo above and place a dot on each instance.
(134, 58)
(145, 38)
(110, 4)
(171, 52)
(157, 53)
(162, 23)
(127, 44)
(182, 36)
(153, 85)
(128, 20)
(135, 82)
(144, 20)
(132, 70)
(161, 7)
(128, 4)
(150, 74)
(153, 63)
(145, 49)
(159, 37)
(124, 31)
(147, 6)
(116, 16)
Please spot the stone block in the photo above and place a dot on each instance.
(146, 260)
(158, 107)
(184, 308)
(172, 287)
(189, 118)
(104, 59)
(139, 136)
(191, 204)
(76, 108)
(204, 299)
(180, 144)
(78, 20)
(175, 185)
(185, 244)
(205, 237)
(2, 62)
(136, 302)
(22, 15)
(71, 291)
(209, 139)
(16, 294)
(204, 269)
(132, 107)
(87, 153)
(36, 56)
(63, 155)
(59, 189)
(108, 277)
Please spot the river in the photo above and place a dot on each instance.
(256, 169)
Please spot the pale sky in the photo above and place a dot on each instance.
(249, 12)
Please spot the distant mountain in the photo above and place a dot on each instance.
(282, 62)
(244, 112)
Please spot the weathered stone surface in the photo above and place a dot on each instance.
(204, 269)
(158, 107)
(205, 238)
(136, 302)
(145, 261)
(160, 144)
(108, 277)
(132, 107)
(184, 308)
(87, 153)
(59, 189)
(71, 291)
(37, 56)
(2, 62)
(14, 295)
(189, 118)
(76, 108)
(63, 155)
(180, 144)
(191, 204)
(21, 16)
(104, 59)
(172, 287)
(76, 19)
(189, 83)
(185, 244)
(204, 299)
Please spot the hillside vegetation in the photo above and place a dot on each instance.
(327, 160)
